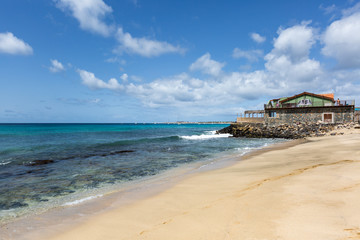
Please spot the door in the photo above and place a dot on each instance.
(328, 117)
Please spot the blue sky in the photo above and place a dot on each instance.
(156, 61)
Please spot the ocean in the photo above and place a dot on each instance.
(43, 166)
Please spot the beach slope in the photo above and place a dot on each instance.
(307, 191)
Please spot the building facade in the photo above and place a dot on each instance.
(308, 108)
(357, 115)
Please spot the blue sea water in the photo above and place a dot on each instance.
(41, 163)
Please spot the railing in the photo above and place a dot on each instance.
(251, 115)
(345, 103)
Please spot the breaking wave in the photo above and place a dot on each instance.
(207, 135)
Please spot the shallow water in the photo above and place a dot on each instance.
(49, 165)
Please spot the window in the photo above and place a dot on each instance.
(304, 102)
(272, 114)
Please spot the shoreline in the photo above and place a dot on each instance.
(193, 203)
(122, 195)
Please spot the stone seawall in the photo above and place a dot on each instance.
(294, 131)
(340, 114)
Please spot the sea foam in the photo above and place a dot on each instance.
(81, 200)
(208, 135)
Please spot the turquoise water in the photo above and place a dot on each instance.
(40, 163)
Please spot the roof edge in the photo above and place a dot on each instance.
(307, 93)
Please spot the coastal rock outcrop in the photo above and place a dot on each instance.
(287, 131)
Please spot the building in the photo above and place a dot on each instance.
(309, 107)
(357, 115)
(304, 107)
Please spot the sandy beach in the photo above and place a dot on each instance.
(307, 191)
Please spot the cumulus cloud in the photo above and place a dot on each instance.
(143, 46)
(89, 79)
(10, 44)
(250, 55)
(294, 42)
(185, 91)
(89, 13)
(342, 41)
(170, 91)
(288, 70)
(206, 65)
(289, 59)
(257, 38)
(56, 66)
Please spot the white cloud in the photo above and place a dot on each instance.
(112, 60)
(116, 60)
(136, 78)
(294, 42)
(251, 55)
(329, 9)
(143, 46)
(79, 101)
(89, 79)
(257, 37)
(10, 44)
(288, 70)
(342, 41)
(56, 66)
(352, 10)
(171, 91)
(289, 59)
(185, 91)
(206, 65)
(89, 13)
(124, 77)
(294, 73)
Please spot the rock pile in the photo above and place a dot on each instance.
(293, 131)
(346, 125)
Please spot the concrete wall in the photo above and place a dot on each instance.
(341, 114)
(250, 120)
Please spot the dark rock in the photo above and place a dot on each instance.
(287, 131)
(40, 162)
(10, 205)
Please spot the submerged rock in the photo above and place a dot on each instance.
(40, 162)
(13, 204)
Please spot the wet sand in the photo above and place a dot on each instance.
(307, 191)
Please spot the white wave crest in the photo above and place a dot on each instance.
(81, 200)
(206, 136)
(211, 132)
(4, 163)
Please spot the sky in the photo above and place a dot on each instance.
(110, 61)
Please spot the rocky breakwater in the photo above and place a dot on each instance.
(287, 131)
